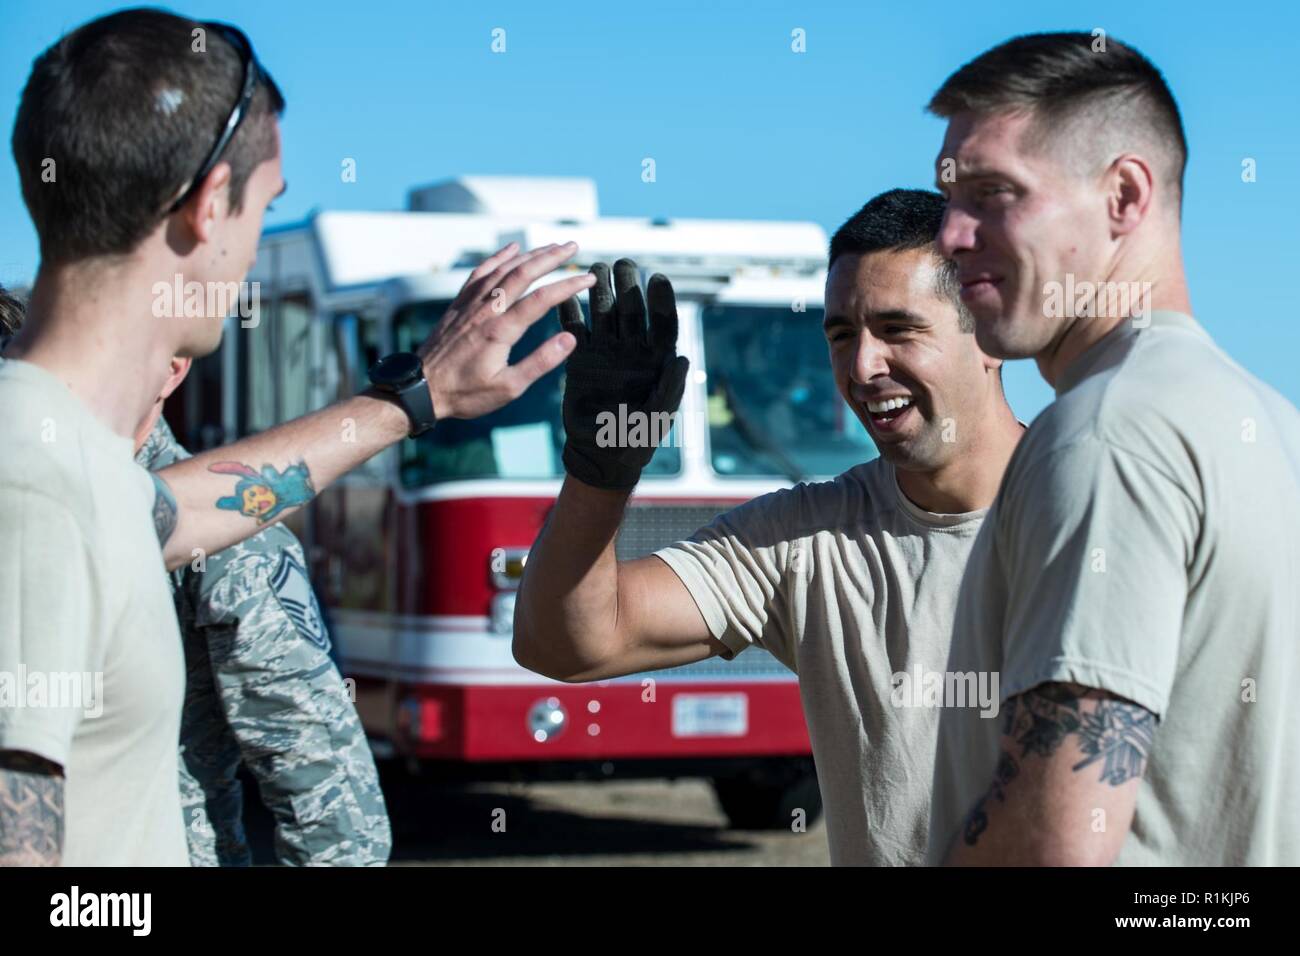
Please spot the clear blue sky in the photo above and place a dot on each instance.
(739, 126)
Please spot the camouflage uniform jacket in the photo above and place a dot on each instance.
(262, 690)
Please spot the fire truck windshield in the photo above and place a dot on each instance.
(523, 440)
(773, 408)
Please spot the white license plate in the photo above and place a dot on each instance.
(710, 715)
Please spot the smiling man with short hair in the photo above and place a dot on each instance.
(1135, 582)
(848, 582)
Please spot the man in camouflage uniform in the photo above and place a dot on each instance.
(261, 689)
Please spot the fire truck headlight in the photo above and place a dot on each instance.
(503, 612)
(506, 567)
(547, 719)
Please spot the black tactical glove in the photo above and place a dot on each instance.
(620, 362)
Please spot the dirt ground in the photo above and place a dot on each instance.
(600, 823)
(621, 823)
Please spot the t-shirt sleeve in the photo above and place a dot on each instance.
(1096, 543)
(735, 569)
(45, 624)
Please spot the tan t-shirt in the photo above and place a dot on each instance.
(847, 583)
(1146, 541)
(85, 613)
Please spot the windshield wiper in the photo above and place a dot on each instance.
(754, 437)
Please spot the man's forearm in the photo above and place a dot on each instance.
(567, 612)
(213, 500)
(225, 495)
(31, 810)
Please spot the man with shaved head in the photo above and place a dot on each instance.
(1134, 584)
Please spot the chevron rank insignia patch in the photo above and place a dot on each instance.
(294, 592)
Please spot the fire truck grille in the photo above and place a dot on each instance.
(753, 664)
(646, 529)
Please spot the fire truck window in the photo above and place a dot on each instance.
(353, 346)
(773, 408)
(523, 440)
(201, 425)
(277, 359)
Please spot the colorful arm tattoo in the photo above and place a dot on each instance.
(263, 495)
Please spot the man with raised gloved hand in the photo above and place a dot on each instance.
(846, 582)
(619, 362)
(573, 582)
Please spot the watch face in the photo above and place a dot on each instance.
(396, 369)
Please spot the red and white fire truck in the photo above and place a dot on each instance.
(417, 555)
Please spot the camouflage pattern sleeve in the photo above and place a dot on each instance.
(287, 706)
(212, 797)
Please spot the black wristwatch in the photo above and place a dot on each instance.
(402, 376)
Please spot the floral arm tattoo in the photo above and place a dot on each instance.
(1114, 736)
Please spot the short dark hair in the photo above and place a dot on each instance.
(127, 108)
(898, 221)
(11, 315)
(1063, 80)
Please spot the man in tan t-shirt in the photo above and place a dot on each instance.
(847, 582)
(1135, 584)
(72, 528)
(82, 596)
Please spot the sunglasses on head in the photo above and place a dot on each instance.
(252, 72)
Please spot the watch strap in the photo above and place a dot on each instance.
(418, 405)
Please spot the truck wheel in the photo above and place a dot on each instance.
(768, 800)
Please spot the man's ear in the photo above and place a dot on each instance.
(180, 368)
(209, 203)
(1132, 193)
